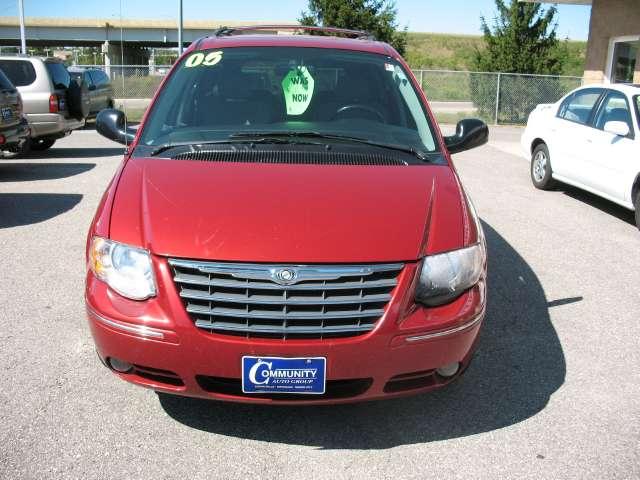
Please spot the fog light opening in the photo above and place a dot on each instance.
(120, 365)
(448, 370)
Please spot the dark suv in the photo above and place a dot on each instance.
(98, 85)
(14, 130)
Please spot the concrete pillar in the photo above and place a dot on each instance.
(152, 62)
(107, 58)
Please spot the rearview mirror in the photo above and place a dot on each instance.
(617, 128)
(470, 133)
(112, 124)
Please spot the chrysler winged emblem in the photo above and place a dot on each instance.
(284, 276)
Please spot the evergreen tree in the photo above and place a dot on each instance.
(523, 40)
(377, 17)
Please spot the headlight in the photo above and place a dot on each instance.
(447, 275)
(125, 269)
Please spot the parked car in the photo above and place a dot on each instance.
(287, 226)
(98, 85)
(590, 139)
(14, 130)
(53, 105)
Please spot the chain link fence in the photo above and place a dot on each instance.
(497, 98)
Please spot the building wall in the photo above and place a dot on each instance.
(609, 18)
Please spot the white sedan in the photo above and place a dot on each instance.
(590, 139)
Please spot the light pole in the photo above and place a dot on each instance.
(179, 28)
(23, 40)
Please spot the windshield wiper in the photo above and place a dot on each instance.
(231, 140)
(327, 136)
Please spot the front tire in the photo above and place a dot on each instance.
(541, 173)
(637, 206)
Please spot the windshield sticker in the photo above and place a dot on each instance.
(297, 87)
(208, 60)
(388, 67)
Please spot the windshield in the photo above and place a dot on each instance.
(213, 94)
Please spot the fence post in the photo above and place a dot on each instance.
(497, 98)
(421, 80)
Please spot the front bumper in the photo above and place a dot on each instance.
(170, 354)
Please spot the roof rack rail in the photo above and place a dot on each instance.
(357, 34)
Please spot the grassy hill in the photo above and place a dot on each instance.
(455, 52)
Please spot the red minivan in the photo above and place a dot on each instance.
(286, 226)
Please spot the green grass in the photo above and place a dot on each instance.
(441, 51)
(437, 51)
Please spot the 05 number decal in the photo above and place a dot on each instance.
(208, 60)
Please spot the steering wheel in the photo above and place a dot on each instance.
(359, 106)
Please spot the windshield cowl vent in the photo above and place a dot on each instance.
(291, 157)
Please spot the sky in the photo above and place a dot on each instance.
(442, 16)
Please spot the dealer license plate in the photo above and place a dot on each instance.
(284, 375)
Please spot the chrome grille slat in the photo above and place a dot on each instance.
(320, 301)
(262, 314)
(232, 327)
(289, 300)
(202, 280)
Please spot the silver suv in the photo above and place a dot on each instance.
(53, 104)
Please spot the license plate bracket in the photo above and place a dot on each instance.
(301, 375)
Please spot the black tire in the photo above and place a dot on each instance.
(41, 144)
(541, 173)
(78, 100)
(637, 205)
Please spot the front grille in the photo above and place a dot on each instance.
(335, 389)
(320, 301)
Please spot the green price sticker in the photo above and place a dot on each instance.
(297, 87)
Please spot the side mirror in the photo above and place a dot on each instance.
(617, 128)
(470, 133)
(111, 123)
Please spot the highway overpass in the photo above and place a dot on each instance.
(108, 33)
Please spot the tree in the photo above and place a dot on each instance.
(377, 17)
(523, 40)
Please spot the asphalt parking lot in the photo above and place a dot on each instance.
(554, 391)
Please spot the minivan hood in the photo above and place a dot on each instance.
(284, 213)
